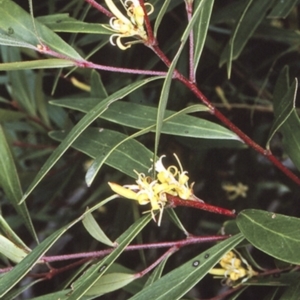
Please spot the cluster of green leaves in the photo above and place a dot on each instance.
(67, 128)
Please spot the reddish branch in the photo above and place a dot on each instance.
(174, 201)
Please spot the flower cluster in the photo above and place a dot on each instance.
(234, 268)
(154, 191)
(235, 191)
(130, 26)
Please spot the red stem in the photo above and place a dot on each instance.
(100, 8)
(151, 39)
(152, 266)
(174, 201)
(189, 11)
(179, 244)
(245, 138)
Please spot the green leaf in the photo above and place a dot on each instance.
(160, 16)
(163, 100)
(10, 250)
(200, 30)
(283, 109)
(12, 278)
(130, 156)
(80, 127)
(95, 231)
(291, 138)
(63, 23)
(292, 292)
(156, 274)
(274, 234)
(10, 115)
(172, 214)
(140, 116)
(19, 26)
(22, 82)
(282, 8)
(10, 183)
(254, 12)
(286, 117)
(61, 295)
(109, 283)
(92, 276)
(9, 280)
(97, 88)
(283, 279)
(13, 237)
(37, 64)
(177, 283)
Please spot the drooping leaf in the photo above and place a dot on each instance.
(80, 127)
(140, 116)
(95, 231)
(10, 183)
(164, 96)
(286, 117)
(283, 108)
(92, 276)
(200, 30)
(12, 278)
(254, 12)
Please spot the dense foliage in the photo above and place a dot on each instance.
(149, 97)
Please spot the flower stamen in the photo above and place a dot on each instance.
(154, 191)
(130, 26)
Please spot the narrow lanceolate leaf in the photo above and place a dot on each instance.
(109, 283)
(12, 278)
(19, 26)
(272, 233)
(200, 30)
(95, 231)
(167, 83)
(283, 109)
(177, 283)
(292, 292)
(80, 127)
(253, 14)
(141, 116)
(160, 16)
(286, 117)
(282, 8)
(37, 64)
(9, 182)
(92, 276)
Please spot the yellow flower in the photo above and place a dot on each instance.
(235, 191)
(130, 26)
(176, 180)
(234, 267)
(154, 191)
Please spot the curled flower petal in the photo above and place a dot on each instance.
(147, 190)
(130, 26)
(234, 268)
